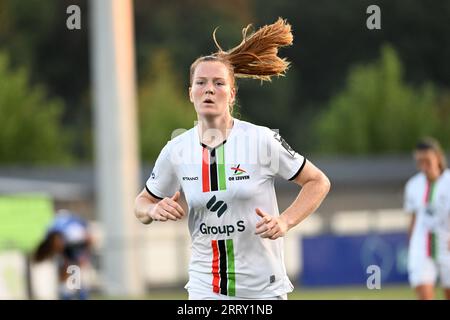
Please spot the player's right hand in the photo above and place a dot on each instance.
(167, 209)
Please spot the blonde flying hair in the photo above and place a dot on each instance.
(256, 56)
(429, 143)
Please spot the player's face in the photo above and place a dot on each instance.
(211, 91)
(427, 161)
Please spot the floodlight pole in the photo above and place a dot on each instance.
(117, 165)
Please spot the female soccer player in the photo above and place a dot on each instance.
(226, 168)
(427, 197)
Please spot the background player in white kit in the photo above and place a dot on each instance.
(226, 168)
(427, 197)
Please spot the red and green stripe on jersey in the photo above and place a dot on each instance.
(213, 168)
(431, 236)
(224, 276)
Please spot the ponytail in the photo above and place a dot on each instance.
(256, 56)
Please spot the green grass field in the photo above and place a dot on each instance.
(343, 293)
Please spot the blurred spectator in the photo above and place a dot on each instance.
(68, 240)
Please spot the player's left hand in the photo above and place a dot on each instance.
(270, 227)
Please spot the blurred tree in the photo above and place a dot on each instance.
(164, 106)
(329, 37)
(184, 28)
(35, 36)
(269, 104)
(377, 112)
(31, 131)
(443, 110)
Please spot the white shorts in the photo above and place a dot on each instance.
(209, 295)
(428, 271)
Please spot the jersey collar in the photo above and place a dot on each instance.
(235, 122)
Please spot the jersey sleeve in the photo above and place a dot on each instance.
(163, 181)
(408, 200)
(282, 160)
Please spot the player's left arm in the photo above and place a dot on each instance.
(315, 186)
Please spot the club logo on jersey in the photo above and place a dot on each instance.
(237, 170)
(284, 144)
(238, 173)
(217, 206)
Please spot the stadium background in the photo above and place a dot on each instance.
(354, 101)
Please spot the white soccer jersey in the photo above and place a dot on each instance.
(223, 187)
(431, 204)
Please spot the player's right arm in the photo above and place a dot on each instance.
(409, 207)
(148, 208)
(411, 225)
